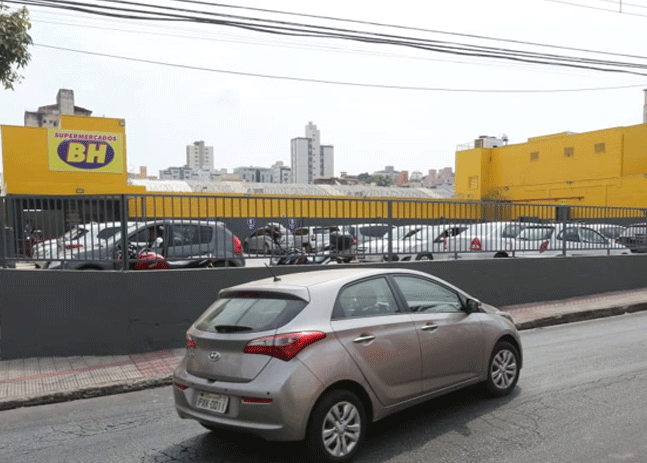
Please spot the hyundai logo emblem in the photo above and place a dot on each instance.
(214, 356)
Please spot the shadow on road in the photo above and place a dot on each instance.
(399, 433)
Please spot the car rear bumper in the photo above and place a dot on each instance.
(292, 388)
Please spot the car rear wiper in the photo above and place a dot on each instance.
(232, 328)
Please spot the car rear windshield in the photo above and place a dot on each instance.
(536, 233)
(250, 311)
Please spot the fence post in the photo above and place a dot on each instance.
(123, 213)
(390, 232)
(3, 235)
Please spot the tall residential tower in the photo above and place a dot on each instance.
(199, 156)
(310, 159)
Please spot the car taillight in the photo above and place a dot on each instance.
(256, 400)
(354, 241)
(181, 387)
(238, 246)
(283, 346)
(190, 342)
(543, 246)
(73, 246)
(476, 245)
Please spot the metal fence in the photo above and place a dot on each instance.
(116, 231)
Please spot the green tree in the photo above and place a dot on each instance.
(14, 41)
(381, 180)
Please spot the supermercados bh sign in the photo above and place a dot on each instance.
(78, 151)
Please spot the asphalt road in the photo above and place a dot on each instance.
(580, 399)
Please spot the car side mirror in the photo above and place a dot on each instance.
(472, 306)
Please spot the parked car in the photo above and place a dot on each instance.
(608, 230)
(634, 237)
(405, 239)
(571, 240)
(268, 239)
(314, 238)
(486, 239)
(81, 236)
(432, 243)
(182, 243)
(363, 236)
(318, 356)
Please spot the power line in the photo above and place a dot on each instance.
(330, 82)
(305, 30)
(596, 8)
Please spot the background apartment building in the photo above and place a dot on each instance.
(50, 115)
(310, 159)
(199, 156)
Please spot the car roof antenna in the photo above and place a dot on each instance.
(272, 273)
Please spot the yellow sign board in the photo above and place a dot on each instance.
(81, 151)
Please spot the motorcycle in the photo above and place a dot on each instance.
(145, 258)
(296, 256)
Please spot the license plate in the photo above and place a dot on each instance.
(213, 402)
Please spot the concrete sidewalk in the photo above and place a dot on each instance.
(35, 381)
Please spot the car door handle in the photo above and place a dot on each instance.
(364, 338)
(429, 327)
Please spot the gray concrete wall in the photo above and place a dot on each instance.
(65, 313)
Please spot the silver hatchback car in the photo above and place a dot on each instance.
(320, 355)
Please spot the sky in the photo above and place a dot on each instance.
(201, 93)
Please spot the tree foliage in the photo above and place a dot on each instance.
(14, 40)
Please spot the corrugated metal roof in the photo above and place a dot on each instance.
(205, 186)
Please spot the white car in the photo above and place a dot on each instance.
(419, 242)
(549, 240)
(486, 240)
(376, 249)
(83, 235)
(313, 239)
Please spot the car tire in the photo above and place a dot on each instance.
(501, 254)
(425, 257)
(503, 369)
(337, 428)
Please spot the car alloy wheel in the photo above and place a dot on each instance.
(337, 428)
(503, 371)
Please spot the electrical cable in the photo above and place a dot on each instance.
(331, 82)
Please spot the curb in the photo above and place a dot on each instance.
(581, 316)
(87, 392)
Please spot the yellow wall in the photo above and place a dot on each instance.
(26, 164)
(596, 170)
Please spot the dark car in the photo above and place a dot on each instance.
(181, 243)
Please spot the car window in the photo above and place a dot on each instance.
(427, 296)
(108, 232)
(367, 298)
(570, 234)
(611, 232)
(374, 231)
(536, 233)
(187, 234)
(589, 235)
(320, 231)
(512, 230)
(250, 311)
(300, 231)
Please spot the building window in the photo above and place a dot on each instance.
(569, 152)
(534, 156)
(600, 148)
(474, 182)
